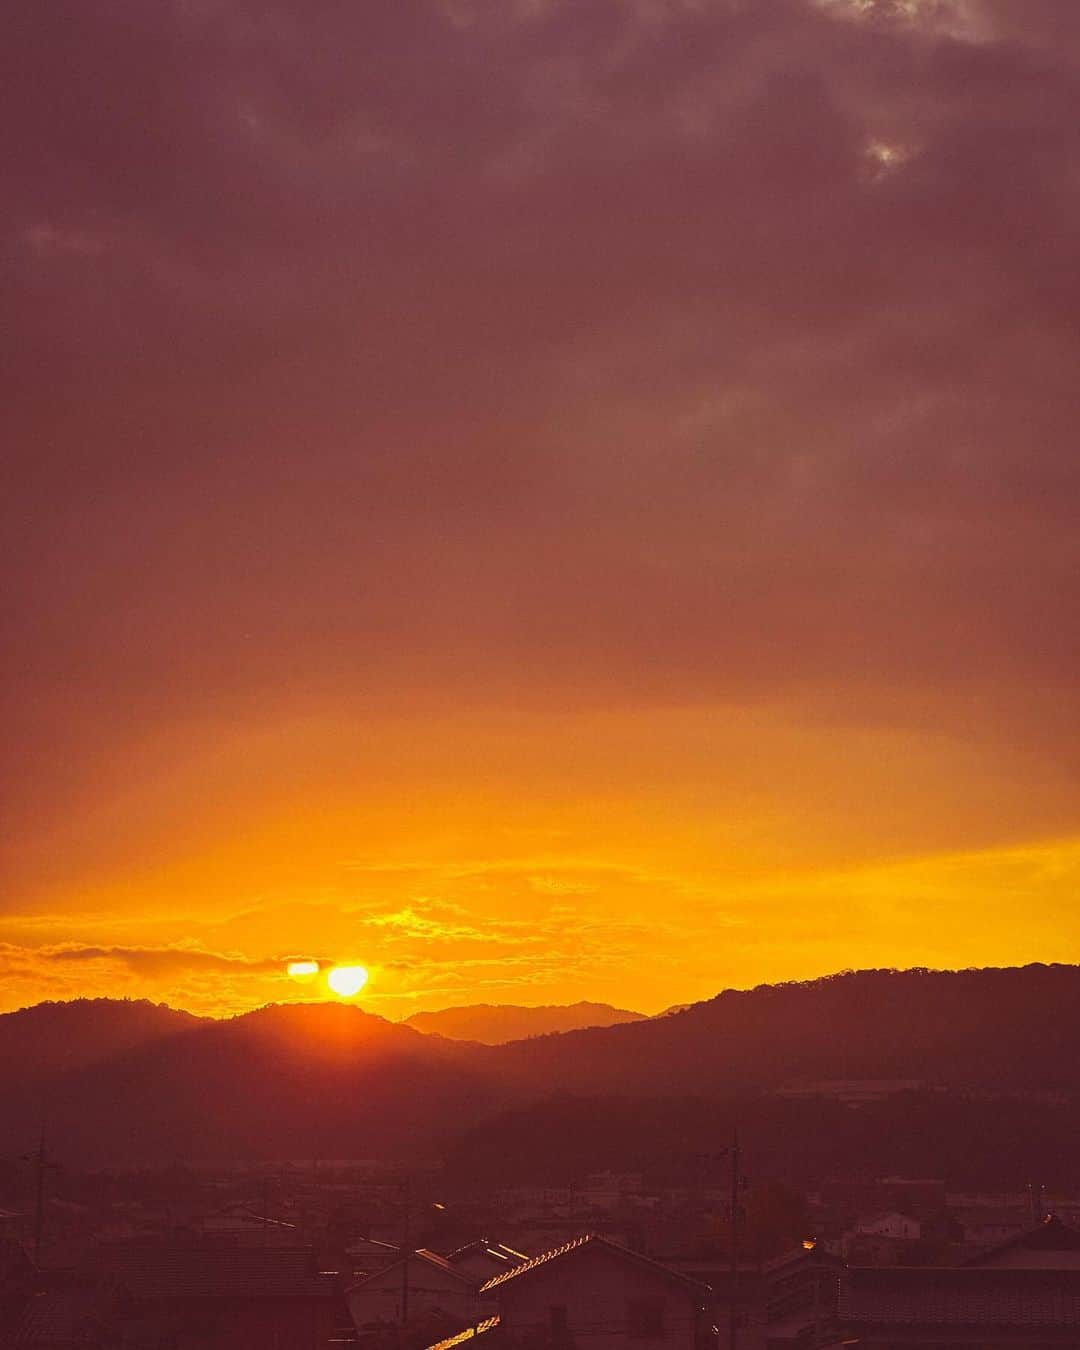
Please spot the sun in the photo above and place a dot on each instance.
(347, 981)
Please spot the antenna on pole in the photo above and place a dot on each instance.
(42, 1164)
(733, 1311)
(39, 1198)
(732, 1155)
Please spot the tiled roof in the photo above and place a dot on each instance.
(1049, 1236)
(965, 1296)
(470, 1333)
(593, 1240)
(801, 1256)
(58, 1317)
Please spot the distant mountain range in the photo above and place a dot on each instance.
(495, 1024)
(136, 1083)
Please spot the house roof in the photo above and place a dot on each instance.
(364, 1244)
(59, 1316)
(499, 1251)
(242, 1216)
(594, 1241)
(469, 1334)
(815, 1255)
(420, 1254)
(962, 1296)
(1049, 1236)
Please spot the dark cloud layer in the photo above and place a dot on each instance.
(536, 353)
(152, 961)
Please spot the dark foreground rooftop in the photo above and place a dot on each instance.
(960, 1297)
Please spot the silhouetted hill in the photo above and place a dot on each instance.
(49, 1038)
(314, 1080)
(1017, 1028)
(495, 1024)
(131, 1083)
(975, 1144)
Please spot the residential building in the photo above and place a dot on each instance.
(1050, 1245)
(242, 1226)
(948, 1308)
(1023, 1293)
(881, 1240)
(483, 1260)
(206, 1296)
(985, 1226)
(365, 1255)
(892, 1225)
(852, 1091)
(779, 1302)
(65, 1314)
(593, 1294)
(417, 1287)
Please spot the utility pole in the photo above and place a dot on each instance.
(40, 1159)
(39, 1198)
(817, 1307)
(406, 1253)
(733, 1311)
(406, 1244)
(732, 1156)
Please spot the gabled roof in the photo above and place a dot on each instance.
(420, 1254)
(594, 1241)
(470, 1333)
(1049, 1236)
(498, 1251)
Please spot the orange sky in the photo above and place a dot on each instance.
(641, 858)
(544, 501)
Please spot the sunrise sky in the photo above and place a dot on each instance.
(545, 499)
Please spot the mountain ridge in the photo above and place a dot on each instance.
(333, 1080)
(498, 1023)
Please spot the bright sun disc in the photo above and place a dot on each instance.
(347, 981)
